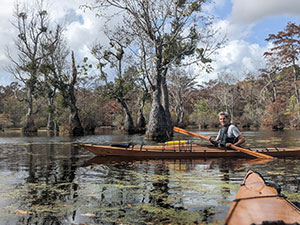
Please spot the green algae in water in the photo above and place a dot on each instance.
(148, 213)
(292, 196)
(173, 215)
(170, 210)
(166, 194)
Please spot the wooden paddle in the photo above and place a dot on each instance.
(246, 151)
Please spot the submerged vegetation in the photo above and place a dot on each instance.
(50, 180)
(134, 193)
(139, 197)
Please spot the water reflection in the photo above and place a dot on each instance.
(46, 182)
(50, 180)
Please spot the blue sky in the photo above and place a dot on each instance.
(262, 29)
(245, 22)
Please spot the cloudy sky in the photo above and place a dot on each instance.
(245, 22)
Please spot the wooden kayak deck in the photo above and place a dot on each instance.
(258, 203)
(181, 151)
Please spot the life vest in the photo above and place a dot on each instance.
(223, 138)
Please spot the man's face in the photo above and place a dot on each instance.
(223, 120)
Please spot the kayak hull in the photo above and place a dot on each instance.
(256, 202)
(182, 151)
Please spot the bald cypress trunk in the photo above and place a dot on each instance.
(76, 128)
(157, 125)
(165, 104)
(50, 123)
(128, 121)
(141, 121)
(29, 125)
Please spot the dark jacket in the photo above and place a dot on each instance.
(223, 137)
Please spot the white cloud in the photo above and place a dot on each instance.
(6, 34)
(240, 57)
(237, 58)
(252, 11)
(232, 31)
(82, 28)
(210, 8)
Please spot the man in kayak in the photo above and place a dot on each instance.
(229, 134)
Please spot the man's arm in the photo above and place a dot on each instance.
(240, 141)
(216, 139)
(210, 137)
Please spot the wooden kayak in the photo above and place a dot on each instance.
(181, 151)
(258, 203)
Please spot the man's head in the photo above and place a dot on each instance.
(224, 118)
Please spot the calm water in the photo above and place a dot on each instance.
(52, 180)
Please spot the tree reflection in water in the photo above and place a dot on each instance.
(152, 194)
(50, 183)
(59, 183)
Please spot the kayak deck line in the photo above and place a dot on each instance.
(265, 196)
(186, 150)
(257, 202)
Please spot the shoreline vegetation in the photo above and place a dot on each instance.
(140, 82)
(100, 129)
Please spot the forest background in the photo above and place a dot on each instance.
(142, 82)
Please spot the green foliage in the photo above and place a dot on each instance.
(179, 39)
(50, 109)
(15, 109)
(292, 103)
(61, 101)
(202, 107)
(106, 91)
(30, 67)
(5, 121)
(43, 13)
(22, 36)
(202, 114)
(279, 77)
(118, 121)
(23, 15)
(180, 3)
(121, 87)
(46, 68)
(176, 50)
(85, 67)
(194, 7)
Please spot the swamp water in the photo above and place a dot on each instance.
(52, 180)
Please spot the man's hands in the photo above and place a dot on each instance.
(228, 145)
(213, 141)
(216, 143)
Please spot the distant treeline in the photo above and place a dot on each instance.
(257, 102)
(140, 82)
